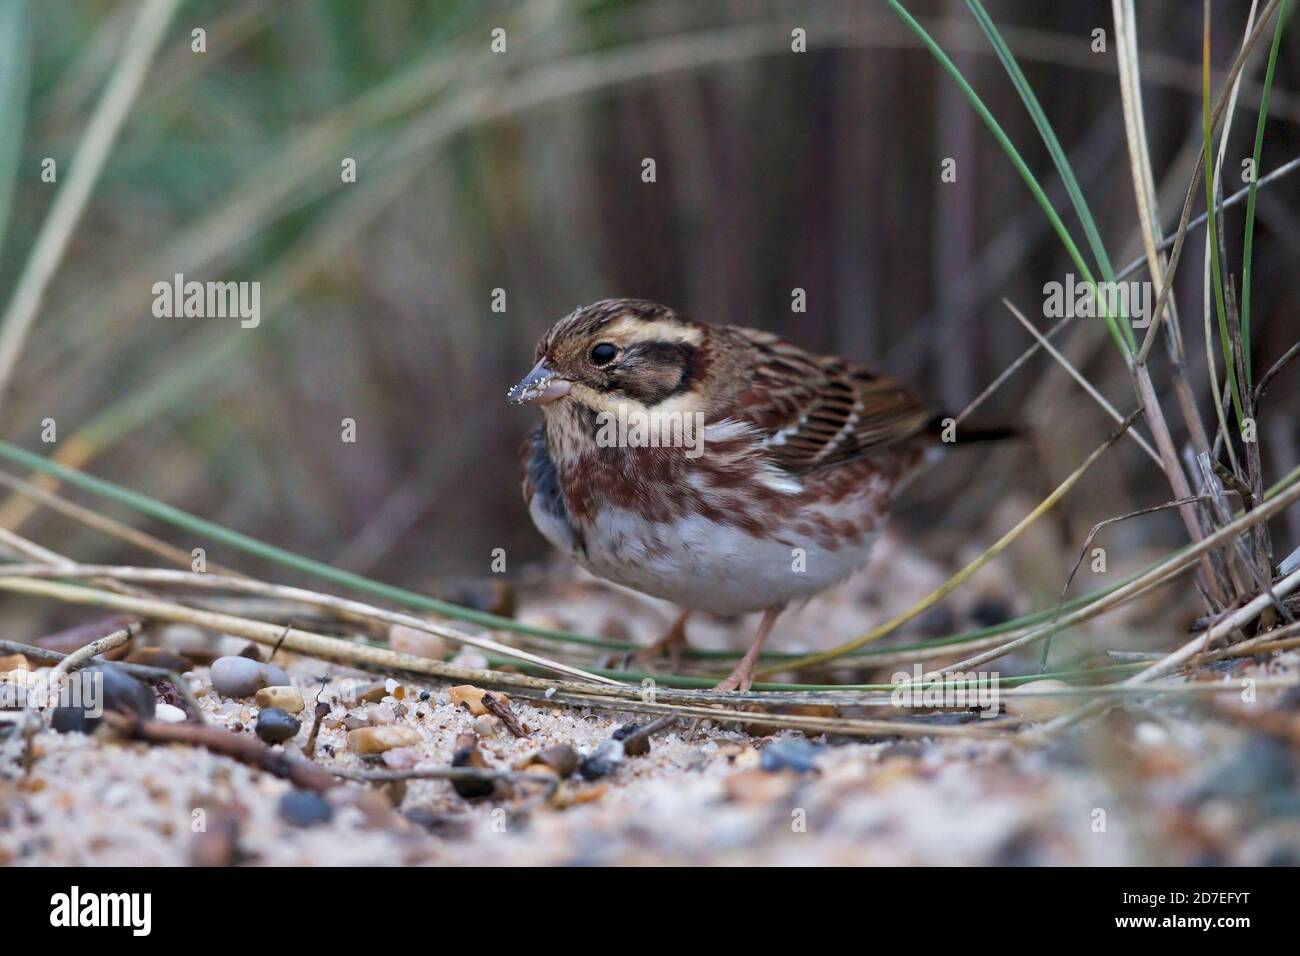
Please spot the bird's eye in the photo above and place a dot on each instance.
(604, 353)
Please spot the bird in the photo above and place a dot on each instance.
(721, 468)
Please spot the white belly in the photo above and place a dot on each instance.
(713, 567)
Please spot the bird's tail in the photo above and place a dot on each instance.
(944, 428)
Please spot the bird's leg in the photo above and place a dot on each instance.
(743, 676)
(673, 641)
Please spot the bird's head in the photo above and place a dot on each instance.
(616, 353)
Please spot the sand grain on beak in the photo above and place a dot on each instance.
(539, 386)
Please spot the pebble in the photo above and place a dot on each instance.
(1150, 734)
(494, 595)
(275, 726)
(789, 753)
(446, 824)
(1036, 708)
(400, 758)
(381, 715)
(217, 844)
(471, 659)
(472, 698)
(636, 749)
(990, 611)
(190, 641)
(286, 698)
(602, 761)
(244, 677)
(487, 725)
(121, 693)
(757, 787)
(305, 808)
(467, 754)
(408, 640)
(561, 758)
(375, 740)
(169, 714)
(366, 694)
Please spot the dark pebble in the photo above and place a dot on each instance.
(640, 747)
(492, 595)
(561, 758)
(990, 612)
(443, 824)
(305, 808)
(789, 754)
(1291, 699)
(467, 754)
(602, 761)
(275, 726)
(118, 692)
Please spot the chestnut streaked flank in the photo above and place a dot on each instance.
(801, 454)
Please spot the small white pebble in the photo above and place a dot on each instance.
(400, 758)
(470, 659)
(1150, 734)
(169, 714)
(550, 692)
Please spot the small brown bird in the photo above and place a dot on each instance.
(720, 468)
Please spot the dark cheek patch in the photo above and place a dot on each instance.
(654, 371)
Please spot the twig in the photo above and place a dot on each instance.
(1243, 616)
(443, 773)
(250, 586)
(318, 714)
(1083, 553)
(632, 740)
(242, 747)
(144, 671)
(502, 711)
(1272, 373)
(1285, 169)
(1087, 386)
(82, 656)
(1158, 575)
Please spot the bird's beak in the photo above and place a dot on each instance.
(539, 386)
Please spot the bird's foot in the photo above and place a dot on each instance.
(672, 643)
(742, 676)
(740, 679)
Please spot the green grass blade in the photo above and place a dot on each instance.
(1018, 162)
(1211, 231)
(15, 76)
(1059, 158)
(1248, 243)
(208, 530)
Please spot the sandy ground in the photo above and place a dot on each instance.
(1169, 782)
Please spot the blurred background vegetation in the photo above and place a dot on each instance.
(522, 171)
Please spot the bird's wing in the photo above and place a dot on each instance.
(821, 410)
